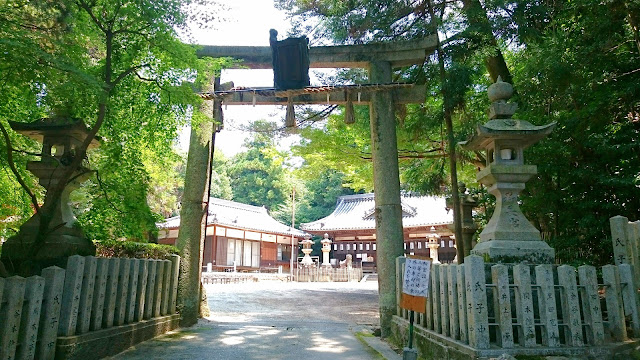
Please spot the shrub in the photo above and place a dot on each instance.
(132, 249)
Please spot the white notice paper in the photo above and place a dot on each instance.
(416, 277)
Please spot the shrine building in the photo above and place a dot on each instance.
(242, 233)
(352, 227)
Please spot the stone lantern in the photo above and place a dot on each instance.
(509, 236)
(433, 243)
(60, 137)
(326, 248)
(306, 249)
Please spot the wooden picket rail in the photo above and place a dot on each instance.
(91, 294)
(512, 307)
(325, 274)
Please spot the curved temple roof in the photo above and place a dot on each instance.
(241, 216)
(356, 212)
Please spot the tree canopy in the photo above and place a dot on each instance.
(567, 65)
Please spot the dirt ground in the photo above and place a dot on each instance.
(354, 303)
(274, 320)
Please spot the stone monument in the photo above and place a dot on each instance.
(509, 236)
(326, 248)
(60, 136)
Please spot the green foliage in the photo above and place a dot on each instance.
(132, 249)
(257, 175)
(568, 66)
(120, 67)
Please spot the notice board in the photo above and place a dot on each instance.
(415, 283)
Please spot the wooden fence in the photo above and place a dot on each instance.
(91, 294)
(326, 273)
(521, 306)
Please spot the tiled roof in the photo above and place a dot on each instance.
(241, 216)
(356, 212)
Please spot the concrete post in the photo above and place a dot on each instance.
(132, 290)
(50, 312)
(14, 288)
(386, 182)
(502, 305)
(71, 299)
(86, 296)
(591, 304)
(111, 293)
(30, 318)
(547, 305)
(570, 305)
(99, 293)
(123, 288)
(613, 298)
(524, 305)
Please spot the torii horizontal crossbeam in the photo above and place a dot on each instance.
(333, 95)
(401, 53)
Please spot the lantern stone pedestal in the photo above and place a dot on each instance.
(509, 236)
(60, 138)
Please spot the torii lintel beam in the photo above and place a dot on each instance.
(407, 95)
(402, 53)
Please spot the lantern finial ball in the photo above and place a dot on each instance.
(500, 91)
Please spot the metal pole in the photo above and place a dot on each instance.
(293, 224)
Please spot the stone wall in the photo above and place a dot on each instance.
(68, 313)
(484, 310)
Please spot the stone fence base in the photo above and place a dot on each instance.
(111, 341)
(431, 345)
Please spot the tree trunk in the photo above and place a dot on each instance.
(477, 17)
(193, 215)
(386, 183)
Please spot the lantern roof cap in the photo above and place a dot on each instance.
(522, 131)
(54, 126)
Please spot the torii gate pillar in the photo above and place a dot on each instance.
(386, 183)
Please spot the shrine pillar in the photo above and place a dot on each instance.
(386, 183)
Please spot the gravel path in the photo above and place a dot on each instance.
(275, 321)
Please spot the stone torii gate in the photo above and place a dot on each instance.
(381, 95)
